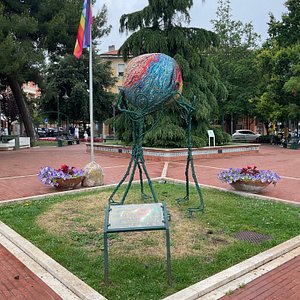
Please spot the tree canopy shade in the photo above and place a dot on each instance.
(158, 28)
(279, 62)
(29, 31)
(70, 75)
(280, 98)
(235, 59)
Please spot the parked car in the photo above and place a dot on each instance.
(41, 132)
(245, 135)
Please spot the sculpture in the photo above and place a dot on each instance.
(151, 82)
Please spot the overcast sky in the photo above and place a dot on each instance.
(255, 11)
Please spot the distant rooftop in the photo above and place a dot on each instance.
(112, 52)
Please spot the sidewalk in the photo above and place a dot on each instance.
(18, 179)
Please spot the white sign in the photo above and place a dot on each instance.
(211, 136)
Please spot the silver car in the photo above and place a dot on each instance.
(245, 135)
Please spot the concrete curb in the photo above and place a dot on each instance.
(73, 283)
(207, 285)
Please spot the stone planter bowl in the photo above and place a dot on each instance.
(69, 183)
(249, 186)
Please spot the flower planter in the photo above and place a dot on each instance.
(249, 179)
(249, 186)
(65, 177)
(70, 183)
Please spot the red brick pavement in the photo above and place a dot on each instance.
(27, 162)
(18, 282)
(16, 164)
(281, 283)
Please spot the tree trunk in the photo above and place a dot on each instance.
(267, 127)
(23, 109)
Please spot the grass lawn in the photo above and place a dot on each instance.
(42, 143)
(70, 229)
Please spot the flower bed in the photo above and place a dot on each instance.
(58, 177)
(249, 179)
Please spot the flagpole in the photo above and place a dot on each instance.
(91, 95)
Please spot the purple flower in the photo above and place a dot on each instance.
(49, 176)
(237, 174)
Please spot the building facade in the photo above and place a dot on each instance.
(118, 67)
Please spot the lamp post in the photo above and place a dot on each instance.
(223, 101)
(114, 124)
(1, 98)
(65, 97)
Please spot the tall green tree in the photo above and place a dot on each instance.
(159, 28)
(286, 31)
(235, 59)
(279, 62)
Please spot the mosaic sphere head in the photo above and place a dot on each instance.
(151, 81)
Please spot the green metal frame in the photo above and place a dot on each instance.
(187, 111)
(137, 157)
(130, 229)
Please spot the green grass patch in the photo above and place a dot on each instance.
(70, 229)
(42, 143)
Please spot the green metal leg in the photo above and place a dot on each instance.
(111, 200)
(136, 158)
(168, 257)
(143, 195)
(166, 218)
(186, 198)
(188, 109)
(105, 259)
(129, 183)
(149, 181)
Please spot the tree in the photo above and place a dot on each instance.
(235, 58)
(158, 28)
(32, 30)
(9, 108)
(70, 75)
(279, 62)
(286, 32)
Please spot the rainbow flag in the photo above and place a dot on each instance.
(83, 35)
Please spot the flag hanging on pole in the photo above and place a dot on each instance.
(84, 29)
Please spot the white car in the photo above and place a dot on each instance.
(245, 135)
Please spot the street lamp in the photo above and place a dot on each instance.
(223, 101)
(1, 98)
(65, 97)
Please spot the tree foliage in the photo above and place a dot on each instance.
(159, 28)
(235, 58)
(32, 30)
(71, 75)
(279, 62)
(285, 32)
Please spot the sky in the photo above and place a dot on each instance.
(255, 11)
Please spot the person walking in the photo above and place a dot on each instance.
(76, 132)
(88, 131)
(72, 130)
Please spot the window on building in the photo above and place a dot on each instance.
(121, 70)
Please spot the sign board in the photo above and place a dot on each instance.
(211, 138)
(136, 217)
